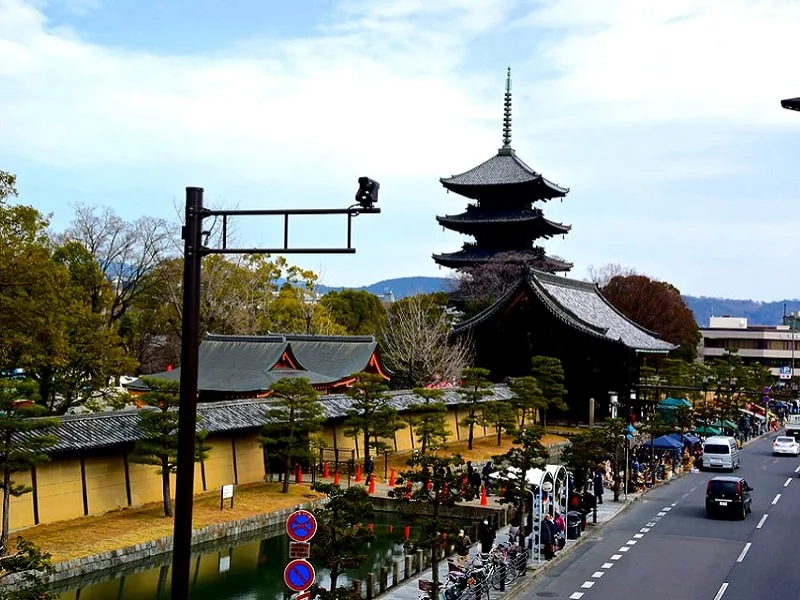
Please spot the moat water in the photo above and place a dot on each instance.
(249, 569)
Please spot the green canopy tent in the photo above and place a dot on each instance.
(675, 402)
(705, 430)
(724, 423)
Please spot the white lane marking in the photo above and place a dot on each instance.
(587, 584)
(797, 470)
(667, 508)
(607, 565)
(616, 556)
(744, 552)
(651, 524)
(761, 522)
(662, 514)
(631, 542)
(624, 549)
(686, 495)
(674, 504)
(597, 574)
(576, 596)
(638, 536)
(644, 529)
(788, 481)
(721, 591)
(775, 499)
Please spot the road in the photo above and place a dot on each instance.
(664, 548)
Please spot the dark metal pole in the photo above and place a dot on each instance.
(187, 413)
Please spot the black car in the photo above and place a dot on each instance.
(729, 495)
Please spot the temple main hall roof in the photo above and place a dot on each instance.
(579, 305)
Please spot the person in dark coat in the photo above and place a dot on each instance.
(547, 538)
(486, 535)
(598, 486)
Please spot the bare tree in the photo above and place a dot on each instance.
(417, 346)
(126, 252)
(604, 273)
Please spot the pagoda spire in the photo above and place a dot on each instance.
(507, 112)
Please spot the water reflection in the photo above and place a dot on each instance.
(245, 570)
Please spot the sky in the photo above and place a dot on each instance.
(663, 119)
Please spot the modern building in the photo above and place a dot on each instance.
(776, 347)
(502, 219)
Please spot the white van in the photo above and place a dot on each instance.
(721, 452)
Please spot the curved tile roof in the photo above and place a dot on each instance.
(473, 256)
(532, 218)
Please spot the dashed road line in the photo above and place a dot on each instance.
(744, 552)
(674, 504)
(631, 542)
(662, 514)
(616, 556)
(651, 524)
(667, 508)
(644, 529)
(576, 596)
(788, 481)
(721, 591)
(624, 548)
(761, 522)
(797, 470)
(775, 499)
(598, 574)
(587, 584)
(638, 536)
(607, 565)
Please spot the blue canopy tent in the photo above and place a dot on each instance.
(675, 402)
(665, 442)
(688, 438)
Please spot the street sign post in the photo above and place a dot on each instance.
(299, 575)
(301, 526)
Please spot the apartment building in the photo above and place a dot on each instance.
(776, 347)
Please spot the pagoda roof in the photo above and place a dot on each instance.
(504, 169)
(470, 256)
(233, 363)
(581, 306)
(505, 217)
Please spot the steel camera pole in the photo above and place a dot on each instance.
(194, 251)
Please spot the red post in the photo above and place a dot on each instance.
(407, 532)
(484, 500)
(336, 477)
(358, 473)
(408, 489)
(428, 484)
(298, 474)
(391, 477)
(325, 471)
(371, 484)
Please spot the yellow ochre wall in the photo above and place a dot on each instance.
(59, 486)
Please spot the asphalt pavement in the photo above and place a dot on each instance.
(663, 547)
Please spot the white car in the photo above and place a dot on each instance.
(785, 445)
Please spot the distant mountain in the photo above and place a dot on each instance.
(757, 312)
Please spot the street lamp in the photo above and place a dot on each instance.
(193, 253)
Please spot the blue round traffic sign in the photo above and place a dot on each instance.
(301, 526)
(298, 575)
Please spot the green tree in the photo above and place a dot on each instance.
(342, 540)
(432, 493)
(582, 455)
(527, 452)
(8, 186)
(370, 397)
(19, 451)
(549, 374)
(528, 399)
(293, 416)
(358, 311)
(474, 388)
(500, 416)
(158, 444)
(429, 419)
(32, 566)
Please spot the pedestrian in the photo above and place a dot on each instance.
(546, 538)
(514, 527)
(463, 544)
(486, 535)
(487, 470)
(597, 482)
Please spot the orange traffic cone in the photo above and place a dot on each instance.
(336, 477)
(325, 471)
(358, 473)
(372, 484)
(484, 500)
(391, 477)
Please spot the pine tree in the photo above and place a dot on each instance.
(429, 419)
(527, 398)
(19, 450)
(474, 388)
(550, 376)
(292, 417)
(33, 566)
(369, 394)
(500, 416)
(158, 444)
(342, 540)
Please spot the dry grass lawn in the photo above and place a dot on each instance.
(91, 535)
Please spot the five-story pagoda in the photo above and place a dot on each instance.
(502, 219)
